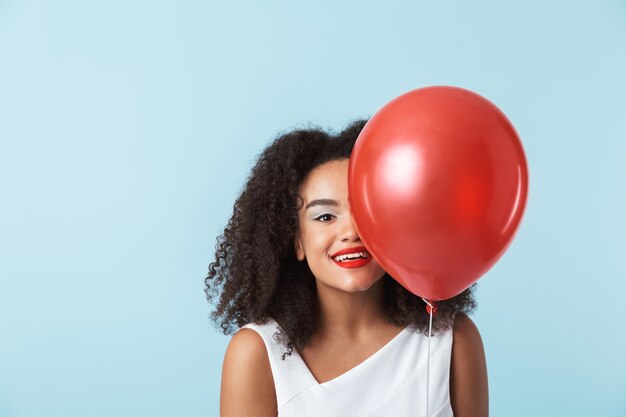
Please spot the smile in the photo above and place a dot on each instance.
(351, 256)
(356, 263)
(352, 260)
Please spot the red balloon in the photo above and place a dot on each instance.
(437, 186)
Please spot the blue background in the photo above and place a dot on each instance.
(128, 128)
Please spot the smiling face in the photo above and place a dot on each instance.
(326, 229)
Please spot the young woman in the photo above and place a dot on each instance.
(322, 329)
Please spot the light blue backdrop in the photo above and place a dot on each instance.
(128, 128)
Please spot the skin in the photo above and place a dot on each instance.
(352, 324)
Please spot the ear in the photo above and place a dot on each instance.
(298, 248)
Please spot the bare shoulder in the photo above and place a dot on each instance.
(469, 392)
(465, 328)
(247, 382)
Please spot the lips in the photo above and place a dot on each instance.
(350, 250)
(356, 263)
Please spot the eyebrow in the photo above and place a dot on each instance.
(322, 202)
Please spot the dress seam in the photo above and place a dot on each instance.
(295, 397)
(407, 382)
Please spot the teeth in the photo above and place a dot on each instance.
(350, 256)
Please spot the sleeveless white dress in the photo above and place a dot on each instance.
(390, 383)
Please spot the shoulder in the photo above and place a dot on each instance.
(465, 330)
(246, 347)
(468, 370)
(247, 382)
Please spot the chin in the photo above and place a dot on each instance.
(355, 285)
(357, 289)
(349, 281)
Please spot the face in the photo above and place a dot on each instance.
(326, 229)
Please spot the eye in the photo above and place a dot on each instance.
(324, 218)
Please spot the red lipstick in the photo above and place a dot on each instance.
(355, 263)
(350, 250)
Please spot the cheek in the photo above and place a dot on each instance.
(379, 270)
(316, 242)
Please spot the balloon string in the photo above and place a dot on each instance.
(430, 327)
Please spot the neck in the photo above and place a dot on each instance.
(351, 314)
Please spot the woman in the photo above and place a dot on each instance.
(323, 330)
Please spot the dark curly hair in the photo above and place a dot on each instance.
(256, 274)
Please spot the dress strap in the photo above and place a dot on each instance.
(291, 378)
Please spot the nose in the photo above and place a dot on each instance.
(348, 231)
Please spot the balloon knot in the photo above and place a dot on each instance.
(434, 307)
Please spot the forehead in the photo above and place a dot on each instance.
(327, 180)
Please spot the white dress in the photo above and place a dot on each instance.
(391, 382)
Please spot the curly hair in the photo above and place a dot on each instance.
(256, 274)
